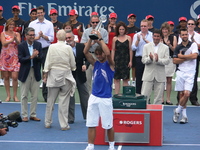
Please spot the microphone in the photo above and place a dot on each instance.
(15, 116)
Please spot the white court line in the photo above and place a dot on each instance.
(181, 144)
(55, 142)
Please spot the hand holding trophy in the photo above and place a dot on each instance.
(94, 35)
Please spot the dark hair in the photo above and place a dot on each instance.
(192, 20)
(8, 22)
(195, 22)
(68, 24)
(165, 25)
(157, 31)
(182, 30)
(98, 50)
(119, 24)
(34, 10)
(28, 29)
(41, 8)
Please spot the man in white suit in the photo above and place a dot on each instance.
(155, 56)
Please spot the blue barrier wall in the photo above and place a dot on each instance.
(162, 10)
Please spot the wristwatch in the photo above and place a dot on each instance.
(100, 39)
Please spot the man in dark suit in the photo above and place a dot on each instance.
(29, 53)
(79, 76)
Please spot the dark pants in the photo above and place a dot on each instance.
(84, 96)
(193, 95)
(44, 88)
(139, 73)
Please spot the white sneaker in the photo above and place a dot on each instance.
(89, 148)
(184, 120)
(175, 116)
(111, 149)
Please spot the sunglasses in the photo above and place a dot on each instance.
(190, 23)
(143, 26)
(31, 34)
(94, 22)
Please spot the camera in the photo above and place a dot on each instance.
(10, 120)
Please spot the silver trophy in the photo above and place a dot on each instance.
(102, 19)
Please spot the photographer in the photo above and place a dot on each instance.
(3, 131)
(9, 120)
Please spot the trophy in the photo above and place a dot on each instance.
(102, 19)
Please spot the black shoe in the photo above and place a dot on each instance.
(70, 122)
(163, 103)
(169, 103)
(196, 104)
(149, 102)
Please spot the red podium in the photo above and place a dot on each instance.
(135, 127)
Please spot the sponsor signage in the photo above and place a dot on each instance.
(129, 123)
(163, 10)
(131, 127)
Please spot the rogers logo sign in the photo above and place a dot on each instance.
(127, 123)
(130, 122)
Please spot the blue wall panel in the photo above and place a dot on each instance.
(162, 10)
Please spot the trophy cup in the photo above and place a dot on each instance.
(102, 19)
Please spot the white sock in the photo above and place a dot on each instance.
(90, 146)
(111, 145)
(179, 108)
(184, 113)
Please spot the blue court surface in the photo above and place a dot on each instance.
(34, 136)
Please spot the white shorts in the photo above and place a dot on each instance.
(184, 81)
(99, 107)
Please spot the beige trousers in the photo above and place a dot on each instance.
(158, 88)
(63, 95)
(33, 86)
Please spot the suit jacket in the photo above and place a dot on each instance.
(25, 61)
(80, 61)
(59, 64)
(155, 69)
(58, 77)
